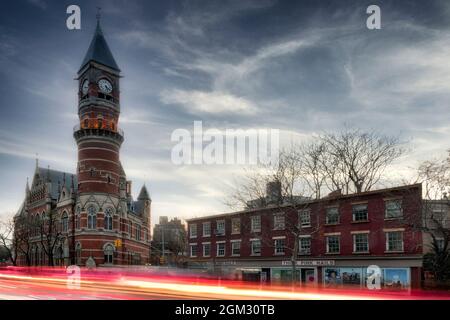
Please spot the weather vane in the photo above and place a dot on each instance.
(98, 13)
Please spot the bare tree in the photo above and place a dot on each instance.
(436, 215)
(287, 188)
(356, 160)
(7, 240)
(50, 234)
(24, 230)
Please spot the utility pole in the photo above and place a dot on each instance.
(163, 244)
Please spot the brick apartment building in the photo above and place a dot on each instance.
(340, 236)
(89, 216)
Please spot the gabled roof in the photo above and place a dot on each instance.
(56, 179)
(99, 51)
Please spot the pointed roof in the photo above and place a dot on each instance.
(143, 195)
(99, 51)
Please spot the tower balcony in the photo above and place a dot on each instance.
(80, 133)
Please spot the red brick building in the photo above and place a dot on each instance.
(91, 215)
(338, 237)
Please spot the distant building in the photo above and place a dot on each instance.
(340, 237)
(169, 242)
(436, 216)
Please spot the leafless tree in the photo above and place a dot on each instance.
(24, 231)
(286, 187)
(7, 240)
(355, 160)
(435, 176)
(50, 234)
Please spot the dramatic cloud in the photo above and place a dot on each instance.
(301, 67)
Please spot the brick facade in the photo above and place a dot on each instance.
(384, 237)
(91, 215)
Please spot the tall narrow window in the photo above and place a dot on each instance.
(333, 244)
(78, 218)
(78, 253)
(108, 219)
(138, 232)
(65, 222)
(92, 218)
(332, 215)
(256, 223)
(109, 253)
(359, 212)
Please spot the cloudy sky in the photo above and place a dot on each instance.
(298, 66)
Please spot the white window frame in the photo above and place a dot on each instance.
(233, 243)
(191, 245)
(357, 233)
(208, 223)
(253, 224)
(218, 245)
(252, 241)
(300, 252)
(233, 222)
(279, 221)
(221, 231)
(387, 240)
(338, 236)
(300, 218)
(354, 213)
(338, 215)
(276, 251)
(386, 201)
(204, 244)
(193, 230)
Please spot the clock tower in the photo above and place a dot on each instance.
(98, 135)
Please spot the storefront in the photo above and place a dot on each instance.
(391, 278)
(395, 274)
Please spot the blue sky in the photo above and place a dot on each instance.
(299, 66)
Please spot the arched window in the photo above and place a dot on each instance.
(109, 252)
(100, 123)
(108, 219)
(78, 253)
(113, 126)
(92, 172)
(78, 218)
(65, 222)
(86, 123)
(138, 232)
(92, 218)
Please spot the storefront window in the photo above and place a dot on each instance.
(395, 278)
(392, 278)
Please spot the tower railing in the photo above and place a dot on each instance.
(117, 130)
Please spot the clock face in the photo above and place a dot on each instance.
(105, 86)
(85, 87)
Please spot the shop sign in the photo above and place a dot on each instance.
(314, 263)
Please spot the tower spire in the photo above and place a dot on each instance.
(98, 15)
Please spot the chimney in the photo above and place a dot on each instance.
(335, 193)
(273, 192)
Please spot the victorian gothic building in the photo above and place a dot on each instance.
(89, 216)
